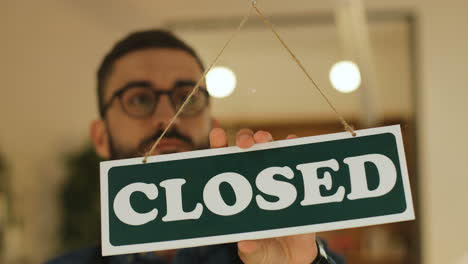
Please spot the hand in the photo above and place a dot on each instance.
(297, 249)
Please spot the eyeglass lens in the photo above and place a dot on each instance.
(142, 101)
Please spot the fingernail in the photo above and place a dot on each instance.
(244, 137)
(268, 134)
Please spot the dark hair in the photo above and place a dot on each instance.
(137, 41)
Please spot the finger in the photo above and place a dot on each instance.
(304, 246)
(247, 246)
(218, 138)
(291, 136)
(262, 137)
(244, 138)
(250, 252)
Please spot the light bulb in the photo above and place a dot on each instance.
(345, 76)
(221, 82)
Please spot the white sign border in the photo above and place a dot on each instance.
(109, 249)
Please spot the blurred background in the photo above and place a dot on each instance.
(410, 55)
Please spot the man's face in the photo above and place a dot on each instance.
(128, 136)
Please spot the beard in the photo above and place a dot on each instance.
(117, 151)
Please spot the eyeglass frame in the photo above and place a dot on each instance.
(157, 93)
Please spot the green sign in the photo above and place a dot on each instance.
(273, 189)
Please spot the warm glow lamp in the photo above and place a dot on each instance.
(221, 82)
(345, 76)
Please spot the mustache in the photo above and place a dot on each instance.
(147, 142)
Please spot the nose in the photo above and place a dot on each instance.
(164, 113)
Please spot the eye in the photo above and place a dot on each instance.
(141, 99)
(138, 97)
(196, 103)
(181, 93)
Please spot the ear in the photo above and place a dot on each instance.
(100, 138)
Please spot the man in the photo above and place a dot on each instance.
(142, 82)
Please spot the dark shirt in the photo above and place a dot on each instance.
(216, 254)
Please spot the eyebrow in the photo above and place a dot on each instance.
(137, 84)
(180, 83)
(149, 84)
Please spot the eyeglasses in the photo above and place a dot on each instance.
(140, 99)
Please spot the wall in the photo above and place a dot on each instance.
(443, 130)
(42, 39)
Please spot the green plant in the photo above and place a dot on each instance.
(3, 185)
(80, 199)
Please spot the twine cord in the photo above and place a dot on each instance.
(267, 22)
(195, 89)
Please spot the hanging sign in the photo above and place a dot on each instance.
(273, 189)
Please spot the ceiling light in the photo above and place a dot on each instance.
(221, 82)
(345, 76)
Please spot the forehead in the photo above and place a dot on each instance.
(162, 67)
